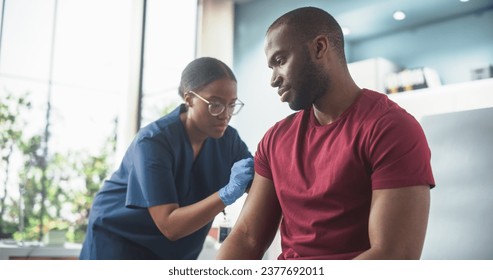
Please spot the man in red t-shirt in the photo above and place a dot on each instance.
(348, 176)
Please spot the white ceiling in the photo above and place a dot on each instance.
(370, 18)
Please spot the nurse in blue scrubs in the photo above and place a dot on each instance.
(178, 173)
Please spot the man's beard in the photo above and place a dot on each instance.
(313, 84)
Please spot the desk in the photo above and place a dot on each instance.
(38, 251)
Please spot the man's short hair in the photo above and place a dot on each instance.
(310, 22)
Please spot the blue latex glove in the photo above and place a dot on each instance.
(241, 175)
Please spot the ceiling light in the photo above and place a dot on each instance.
(464, 1)
(399, 15)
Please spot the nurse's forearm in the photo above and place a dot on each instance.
(177, 222)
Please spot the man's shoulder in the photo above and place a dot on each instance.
(290, 119)
(285, 124)
(375, 105)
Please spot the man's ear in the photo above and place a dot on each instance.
(321, 46)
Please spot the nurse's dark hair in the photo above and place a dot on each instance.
(201, 72)
(309, 22)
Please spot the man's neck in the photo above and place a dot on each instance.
(331, 106)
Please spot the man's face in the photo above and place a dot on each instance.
(299, 80)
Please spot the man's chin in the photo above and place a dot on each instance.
(298, 107)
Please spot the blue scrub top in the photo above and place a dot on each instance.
(158, 168)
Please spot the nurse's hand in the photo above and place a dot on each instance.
(241, 175)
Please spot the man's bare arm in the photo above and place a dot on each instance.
(397, 223)
(257, 224)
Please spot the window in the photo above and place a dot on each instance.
(70, 59)
(169, 47)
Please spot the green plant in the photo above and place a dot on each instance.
(55, 190)
(93, 169)
(11, 126)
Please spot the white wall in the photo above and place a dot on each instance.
(215, 32)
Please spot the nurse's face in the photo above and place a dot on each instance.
(201, 112)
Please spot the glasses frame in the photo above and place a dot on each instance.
(211, 103)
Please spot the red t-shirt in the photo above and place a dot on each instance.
(324, 175)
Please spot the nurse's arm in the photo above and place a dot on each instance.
(257, 224)
(397, 223)
(176, 222)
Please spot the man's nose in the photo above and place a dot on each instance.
(275, 80)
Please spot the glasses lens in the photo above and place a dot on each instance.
(216, 108)
(235, 108)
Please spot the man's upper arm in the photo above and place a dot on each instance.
(257, 224)
(397, 223)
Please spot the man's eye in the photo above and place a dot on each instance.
(279, 60)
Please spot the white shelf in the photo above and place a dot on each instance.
(371, 73)
(39, 251)
(446, 99)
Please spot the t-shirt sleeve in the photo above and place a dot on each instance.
(262, 163)
(399, 152)
(151, 181)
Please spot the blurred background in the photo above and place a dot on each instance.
(78, 78)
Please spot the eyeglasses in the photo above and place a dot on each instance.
(216, 108)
